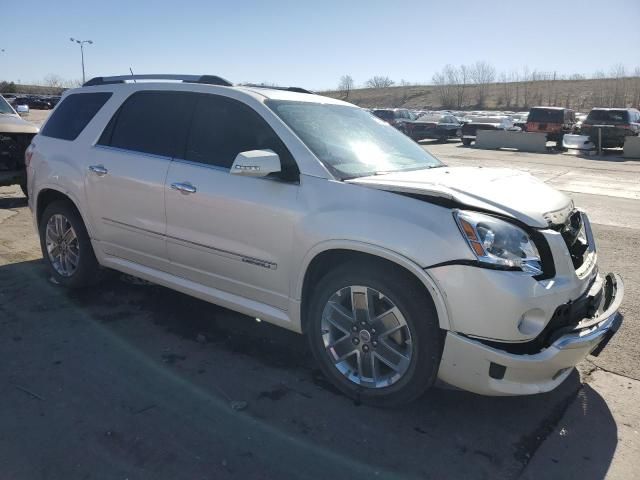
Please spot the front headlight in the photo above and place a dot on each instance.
(499, 243)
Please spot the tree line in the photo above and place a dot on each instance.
(467, 86)
(51, 84)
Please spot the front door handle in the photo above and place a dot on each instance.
(185, 188)
(98, 170)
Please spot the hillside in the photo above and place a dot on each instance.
(580, 95)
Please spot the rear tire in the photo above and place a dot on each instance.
(402, 364)
(66, 246)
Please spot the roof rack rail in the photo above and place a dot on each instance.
(206, 79)
(288, 89)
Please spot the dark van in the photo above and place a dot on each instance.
(617, 124)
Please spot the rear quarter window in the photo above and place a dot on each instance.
(73, 114)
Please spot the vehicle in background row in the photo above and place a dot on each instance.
(474, 123)
(618, 123)
(434, 127)
(554, 121)
(520, 120)
(36, 102)
(15, 137)
(310, 213)
(397, 117)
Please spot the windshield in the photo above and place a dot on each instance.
(350, 141)
(5, 107)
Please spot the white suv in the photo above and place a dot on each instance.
(314, 215)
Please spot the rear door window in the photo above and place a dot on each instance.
(73, 115)
(154, 122)
(223, 127)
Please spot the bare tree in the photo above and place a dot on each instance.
(636, 88)
(514, 77)
(72, 83)
(379, 81)
(346, 85)
(506, 90)
(463, 76)
(444, 86)
(54, 81)
(619, 94)
(526, 77)
(482, 74)
(599, 93)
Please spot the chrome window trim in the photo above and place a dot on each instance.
(136, 152)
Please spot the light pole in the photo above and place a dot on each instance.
(81, 43)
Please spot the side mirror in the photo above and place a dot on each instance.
(256, 163)
(23, 110)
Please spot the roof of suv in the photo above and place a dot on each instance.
(550, 108)
(186, 82)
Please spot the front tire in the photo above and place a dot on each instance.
(466, 142)
(374, 331)
(66, 246)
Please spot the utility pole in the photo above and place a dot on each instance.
(81, 43)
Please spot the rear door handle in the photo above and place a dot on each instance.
(185, 188)
(98, 170)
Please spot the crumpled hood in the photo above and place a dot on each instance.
(502, 190)
(14, 124)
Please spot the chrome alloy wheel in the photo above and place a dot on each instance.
(62, 245)
(366, 337)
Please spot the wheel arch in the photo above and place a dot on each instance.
(322, 257)
(50, 194)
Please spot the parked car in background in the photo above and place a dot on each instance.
(40, 103)
(15, 137)
(520, 120)
(619, 123)
(474, 123)
(554, 121)
(398, 117)
(439, 127)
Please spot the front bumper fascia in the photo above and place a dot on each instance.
(474, 366)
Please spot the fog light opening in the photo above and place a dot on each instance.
(497, 371)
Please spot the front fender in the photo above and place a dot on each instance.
(361, 247)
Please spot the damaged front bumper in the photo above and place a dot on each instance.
(487, 369)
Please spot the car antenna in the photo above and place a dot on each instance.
(131, 70)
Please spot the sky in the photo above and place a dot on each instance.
(312, 44)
